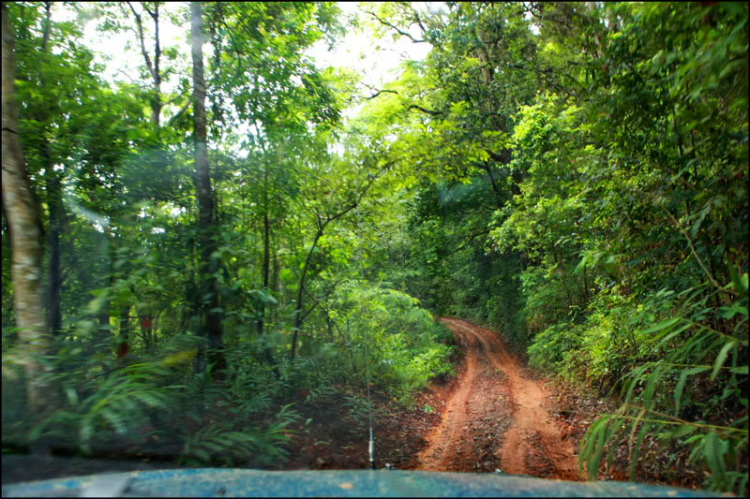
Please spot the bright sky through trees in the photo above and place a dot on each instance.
(374, 59)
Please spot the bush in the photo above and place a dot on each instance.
(406, 347)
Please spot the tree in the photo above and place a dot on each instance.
(53, 189)
(323, 217)
(22, 214)
(206, 229)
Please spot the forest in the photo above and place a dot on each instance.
(237, 254)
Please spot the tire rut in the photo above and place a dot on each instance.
(443, 442)
(496, 417)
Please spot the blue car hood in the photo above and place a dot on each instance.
(212, 482)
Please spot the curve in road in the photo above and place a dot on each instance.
(496, 417)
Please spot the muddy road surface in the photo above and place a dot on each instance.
(498, 417)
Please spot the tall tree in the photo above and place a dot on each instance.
(153, 66)
(53, 188)
(211, 318)
(324, 215)
(26, 238)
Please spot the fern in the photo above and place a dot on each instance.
(120, 405)
(220, 442)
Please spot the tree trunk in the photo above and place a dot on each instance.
(266, 249)
(561, 269)
(146, 322)
(266, 253)
(153, 69)
(298, 318)
(276, 279)
(109, 281)
(54, 204)
(266, 271)
(53, 189)
(495, 189)
(156, 104)
(276, 274)
(585, 286)
(212, 319)
(26, 243)
(125, 322)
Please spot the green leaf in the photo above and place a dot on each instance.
(670, 335)
(662, 325)
(580, 265)
(634, 426)
(721, 358)
(701, 216)
(712, 453)
(37, 430)
(636, 378)
(72, 396)
(682, 431)
(651, 385)
(587, 445)
(681, 385)
(115, 420)
(150, 399)
(86, 430)
(637, 450)
(726, 312)
(601, 442)
(740, 284)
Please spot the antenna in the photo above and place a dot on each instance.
(371, 444)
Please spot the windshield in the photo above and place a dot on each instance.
(473, 237)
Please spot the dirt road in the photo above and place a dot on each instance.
(497, 417)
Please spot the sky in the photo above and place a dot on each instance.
(376, 60)
(357, 51)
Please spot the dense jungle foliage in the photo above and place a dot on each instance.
(187, 248)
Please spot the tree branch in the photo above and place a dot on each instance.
(372, 179)
(237, 52)
(419, 22)
(157, 46)
(469, 240)
(710, 276)
(304, 316)
(412, 106)
(397, 30)
(321, 228)
(500, 158)
(182, 110)
(143, 43)
(427, 111)
(325, 307)
(145, 7)
(382, 91)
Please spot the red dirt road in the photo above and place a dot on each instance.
(496, 418)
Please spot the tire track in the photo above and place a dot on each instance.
(442, 441)
(530, 442)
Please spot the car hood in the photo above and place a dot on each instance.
(212, 482)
